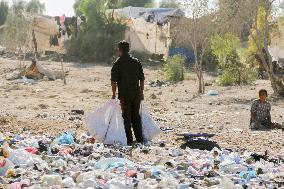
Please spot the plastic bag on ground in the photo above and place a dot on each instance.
(106, 124)
(68, 183)
(51, 180)
(21, 184)
(5, 165)
(113, 163)
(21, 157)
(31, 150)
(66, 138)
(149, 127)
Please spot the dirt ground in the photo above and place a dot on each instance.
(44, 107)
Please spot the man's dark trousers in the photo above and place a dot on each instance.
(130, 113)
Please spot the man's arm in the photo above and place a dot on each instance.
(113, 86)
(114, 79)
(142, 89)
(142, 80)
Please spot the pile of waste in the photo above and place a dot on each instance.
(30, 161)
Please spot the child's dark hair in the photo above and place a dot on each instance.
(123, 46)
(263, 91)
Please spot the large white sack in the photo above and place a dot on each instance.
(106, 124)
(149, 128)
(116, 132)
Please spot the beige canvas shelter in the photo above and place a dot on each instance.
(44, 27)
(152, 37)
(148, 37)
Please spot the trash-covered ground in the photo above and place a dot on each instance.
(31, 161)
(50, 108)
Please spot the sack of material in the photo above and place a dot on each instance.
(149, 128)
(106, 124)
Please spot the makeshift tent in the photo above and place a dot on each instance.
(137, 12)
(37, 71)
(44, 27)
(148, 37)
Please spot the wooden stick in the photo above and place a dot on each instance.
(63, 73)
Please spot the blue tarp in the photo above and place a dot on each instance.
(184, 52)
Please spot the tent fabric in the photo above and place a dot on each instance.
(160, 13)
(148, 37)
(277, 55)
(37, 71)
(189, 55)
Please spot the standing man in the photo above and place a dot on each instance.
(127, 74)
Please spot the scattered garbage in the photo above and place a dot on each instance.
(66, 138)
(35, 162)
(25, 80)
(158, 83)
(213, 93)
(5, 165)
(167, 129)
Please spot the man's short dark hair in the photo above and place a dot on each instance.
(124, 46)
(263, 91)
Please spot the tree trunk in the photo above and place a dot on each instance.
(277, 83)
(201, 85)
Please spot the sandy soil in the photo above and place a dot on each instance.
(44, 107)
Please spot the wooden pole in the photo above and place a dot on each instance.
(156, 39)
(63, 73)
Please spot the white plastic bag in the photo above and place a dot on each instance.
(106, 124)
(149, 128)
(21, 157)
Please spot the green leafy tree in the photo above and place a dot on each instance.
(35, 6)
(228, 50)
(224, 46)
(252, 49)
(18, 7)
(16, 32)
(174, 68)
(169, 4)
(194, 33)
(4, 10)
(257, 17)
(135, 3)
(100, 34)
